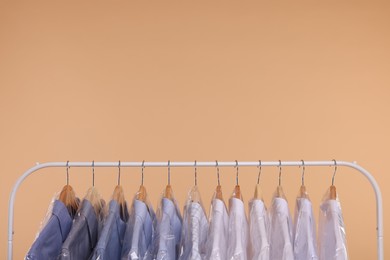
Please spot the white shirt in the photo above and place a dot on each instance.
(238, 231)
(280, 231)
(332, 242)
(258, 230)
(304, 231)
(194, 232)
(218, 232)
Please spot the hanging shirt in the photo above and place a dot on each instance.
(140, 230)
(280, 231)
(238, 231)
(168, 231)
(194, 234)
(83, 235)
(49, 241)
(110, 241)
(218, 232)
(331, 234)
(304, 231)
(258, 230)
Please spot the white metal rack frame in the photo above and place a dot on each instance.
(370, 178)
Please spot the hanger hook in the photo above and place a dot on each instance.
(236, 172)
(303, 172)
(280, 172)
(196, 175)
(216, 165)
(93, 173)
(258, 176)
(169, 172)
(142, 172)
(335, 169)
(119, 172)
(67, 172)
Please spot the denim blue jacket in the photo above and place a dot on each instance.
(49, 242)
(110, 241)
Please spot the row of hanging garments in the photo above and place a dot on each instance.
(89, 229)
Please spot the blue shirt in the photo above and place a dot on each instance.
(49, 242)
(168, 231)
(110, 241)
(194, 233)
(140, 231)
(83, 236)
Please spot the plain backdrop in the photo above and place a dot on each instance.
(195, 80)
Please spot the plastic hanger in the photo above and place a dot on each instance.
(332, 190)
(68, 196)
(141, 194)
(194, 193)
(168, 188)
(279, 189)
(218, 190)
(237, 190)
(258, 192)
(94, 197)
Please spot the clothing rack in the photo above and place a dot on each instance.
(370, 178)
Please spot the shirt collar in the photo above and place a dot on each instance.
(219, 206)
(168, 207)
(304, 204)
(89, 214)
(65, 220)
(140, 209)
(258, 206)
(280, 205)
(236, 205)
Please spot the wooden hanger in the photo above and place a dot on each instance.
(118, 195)
(279, 189)
(258, 192)
(218, 192)
(168, 189)
(237, 190)
(302, 189)
(302, 192)
(280, 192)
(141, 194)
(332, 192)
(68, 196)
(168, 192)
(332, 189)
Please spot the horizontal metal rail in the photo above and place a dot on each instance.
(378, 196)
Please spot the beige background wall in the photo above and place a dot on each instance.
(185, 81)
